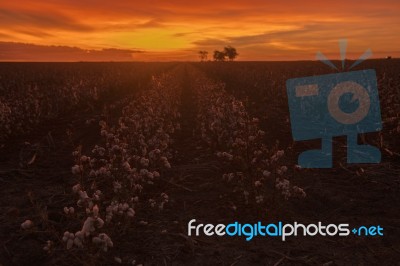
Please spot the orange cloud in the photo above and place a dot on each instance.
(177, 29)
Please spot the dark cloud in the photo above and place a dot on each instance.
(41, 19)
(11, 51)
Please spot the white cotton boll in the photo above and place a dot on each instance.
(298, 192)
(280, 153)
(117, 186)
(144, 162)
(150, 175)
(167, 165)
(131, 213)
(102, 171)
(88, 227)
(266, 173)
(143, 172)
(49, 246)
(126, 166)
(79, 235)
(69, 210)
(125, 206)
(282, 184)
(152, 203)
(165, 197)
(76, 188)
(95, 211)
(97, 240)
(257, 153)
(70, 243)
(27, 224)
(84, 158)
(76, 169)
(156, 174)
(257, 183)
(78, 242)
(65, 236)
(224, 176)
(228, 156)
(117, 260)
(109, 242)
(103, 240)
(100, 222)
(284, 169)
(83, 195)
(259, 199)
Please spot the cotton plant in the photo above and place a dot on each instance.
(133, 155)
(252, 168)
(26, 105)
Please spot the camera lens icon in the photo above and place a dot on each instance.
(358, 93)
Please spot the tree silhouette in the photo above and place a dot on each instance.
(219, 56)
(203, 55)
(230, 52)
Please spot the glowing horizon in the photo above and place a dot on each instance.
(61, 30)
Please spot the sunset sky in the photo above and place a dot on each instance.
(155, 30)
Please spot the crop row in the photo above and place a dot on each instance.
(254, 170)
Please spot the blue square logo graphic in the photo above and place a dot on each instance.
(325, 106)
